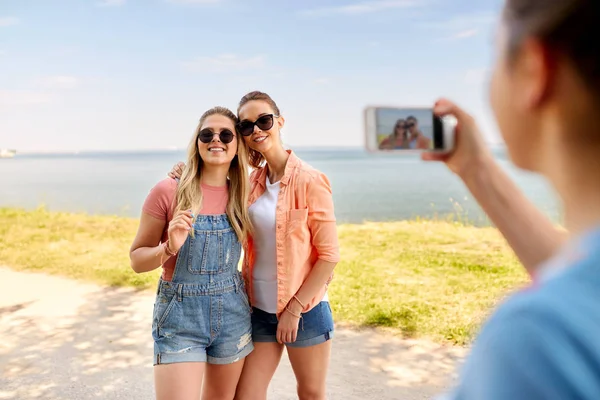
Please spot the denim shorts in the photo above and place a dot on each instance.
(202, 322)
(316, 326)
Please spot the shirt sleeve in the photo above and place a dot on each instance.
(520, 357)
(159, 201)
(321, 218)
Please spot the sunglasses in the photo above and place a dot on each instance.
(264, 123)
(225, 136)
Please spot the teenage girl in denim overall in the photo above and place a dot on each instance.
(195, 229)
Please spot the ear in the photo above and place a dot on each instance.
(280, 122)
(536, 70)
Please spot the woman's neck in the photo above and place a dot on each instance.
(215, 175)
(575, 178)
(276, 159)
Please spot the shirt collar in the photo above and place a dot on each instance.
(292, 162)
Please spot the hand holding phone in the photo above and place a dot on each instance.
(470, 152)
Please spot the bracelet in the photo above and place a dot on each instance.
(167, 250)
(298, 300)
(291, 312)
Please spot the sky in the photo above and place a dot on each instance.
(96, 75)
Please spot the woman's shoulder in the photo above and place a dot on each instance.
(164, 192)
(160, 199)
(306, 174)
(165, 186)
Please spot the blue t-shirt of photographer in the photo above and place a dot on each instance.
(544, 342)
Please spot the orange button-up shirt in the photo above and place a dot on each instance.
(305, 229)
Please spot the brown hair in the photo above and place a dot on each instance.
(565, 26)
(255, 158)
(189, 192)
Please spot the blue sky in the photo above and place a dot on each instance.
(137, 74)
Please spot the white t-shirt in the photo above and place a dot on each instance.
(264, 276)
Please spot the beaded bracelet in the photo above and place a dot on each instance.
(298, 300)
(167, 250)
(291, 312)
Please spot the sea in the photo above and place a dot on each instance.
(366, 187)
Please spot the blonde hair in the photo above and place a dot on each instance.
(189, 191)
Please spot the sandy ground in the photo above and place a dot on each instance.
(64, 339)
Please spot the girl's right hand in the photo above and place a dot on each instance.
(179, 229)
(470, 152)
(177, 170)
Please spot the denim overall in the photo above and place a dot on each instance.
(203, 314)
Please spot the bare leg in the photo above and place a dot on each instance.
(310, 365)
(178, 381)
(258, 371)
(220, 381)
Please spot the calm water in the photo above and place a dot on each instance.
(365, 187)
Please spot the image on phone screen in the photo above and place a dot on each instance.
(391, 128)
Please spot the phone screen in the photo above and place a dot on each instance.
(398, 129)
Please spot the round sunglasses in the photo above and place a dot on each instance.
(264, 123)
(225, 136)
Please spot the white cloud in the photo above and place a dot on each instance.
(194, 1)
(9, 21)
(459, 23)
(59, 82)
(465, 34)
(23, 98)
(224, 63)
(111, 3)
(65, 50)
(476, 76)
(322, 81)
(462, 26)
(362, 8)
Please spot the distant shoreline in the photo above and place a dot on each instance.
(164, 151)
(494, 147)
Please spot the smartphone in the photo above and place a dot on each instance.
(407, 129)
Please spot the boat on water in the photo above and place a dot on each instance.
(7, 153)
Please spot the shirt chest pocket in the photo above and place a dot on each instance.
(298, 215)
(297, 223)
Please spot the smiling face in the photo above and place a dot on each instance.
(412, 124)
(400, 127)
(266, 125)
(219, 133)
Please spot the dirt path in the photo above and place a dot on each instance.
(63, 339)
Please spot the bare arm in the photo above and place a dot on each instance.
(146, 253)
(527, 230)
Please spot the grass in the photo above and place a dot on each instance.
(433, 279)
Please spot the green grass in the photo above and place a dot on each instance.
(434, 279)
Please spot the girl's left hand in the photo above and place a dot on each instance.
(287, 328)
